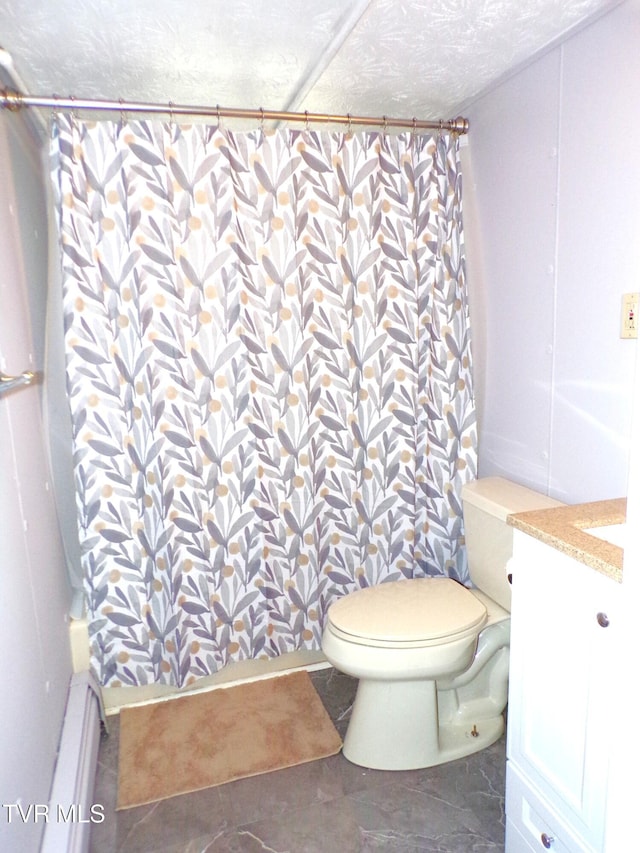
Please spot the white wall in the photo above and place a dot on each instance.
(552, 222)
(34, 594)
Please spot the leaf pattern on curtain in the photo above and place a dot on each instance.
(269, 376)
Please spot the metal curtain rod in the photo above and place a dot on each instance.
(15, 101)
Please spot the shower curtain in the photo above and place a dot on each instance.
(268, 370)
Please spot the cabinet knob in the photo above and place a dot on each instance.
(547, 840)
(603, 620)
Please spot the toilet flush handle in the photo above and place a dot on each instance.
(603, 620)
(547, 840)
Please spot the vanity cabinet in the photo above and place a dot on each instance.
(561, 710)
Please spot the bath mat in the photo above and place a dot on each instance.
(205, 739)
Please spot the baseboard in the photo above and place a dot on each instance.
(71, 810)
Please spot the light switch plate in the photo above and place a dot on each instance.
(629, 320)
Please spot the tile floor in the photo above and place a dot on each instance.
(326, 806)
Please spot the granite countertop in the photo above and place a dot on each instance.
(563, 528)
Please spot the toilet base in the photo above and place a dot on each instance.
(394, 726)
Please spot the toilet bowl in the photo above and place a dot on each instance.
(432, 655)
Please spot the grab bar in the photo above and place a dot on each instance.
(7, 383)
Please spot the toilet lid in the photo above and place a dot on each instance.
(418, 610)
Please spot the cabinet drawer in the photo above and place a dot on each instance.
(515, 842)
(532, 824)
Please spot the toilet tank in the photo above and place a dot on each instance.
(486, 503)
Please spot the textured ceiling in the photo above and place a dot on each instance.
(400, 58)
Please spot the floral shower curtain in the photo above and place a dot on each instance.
(268, 364)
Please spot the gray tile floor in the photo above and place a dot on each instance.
(328, 806)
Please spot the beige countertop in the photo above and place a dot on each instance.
(563, 528)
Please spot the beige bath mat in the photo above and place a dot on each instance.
(208, 738)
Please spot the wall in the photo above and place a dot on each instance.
(552, 218)
(34, 594)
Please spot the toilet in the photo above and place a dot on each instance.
(431, 655)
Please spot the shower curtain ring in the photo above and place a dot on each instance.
(171, 113)
(384, 124)
(262, 119)
(414, 131)
(306, 121)
(349, 131)
(218, 113)
(123, 115)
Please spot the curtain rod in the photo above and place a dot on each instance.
(15, 101)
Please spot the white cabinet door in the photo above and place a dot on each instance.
(562, 637)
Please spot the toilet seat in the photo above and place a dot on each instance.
(407, 614)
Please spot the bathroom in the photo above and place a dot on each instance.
(551, 209)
